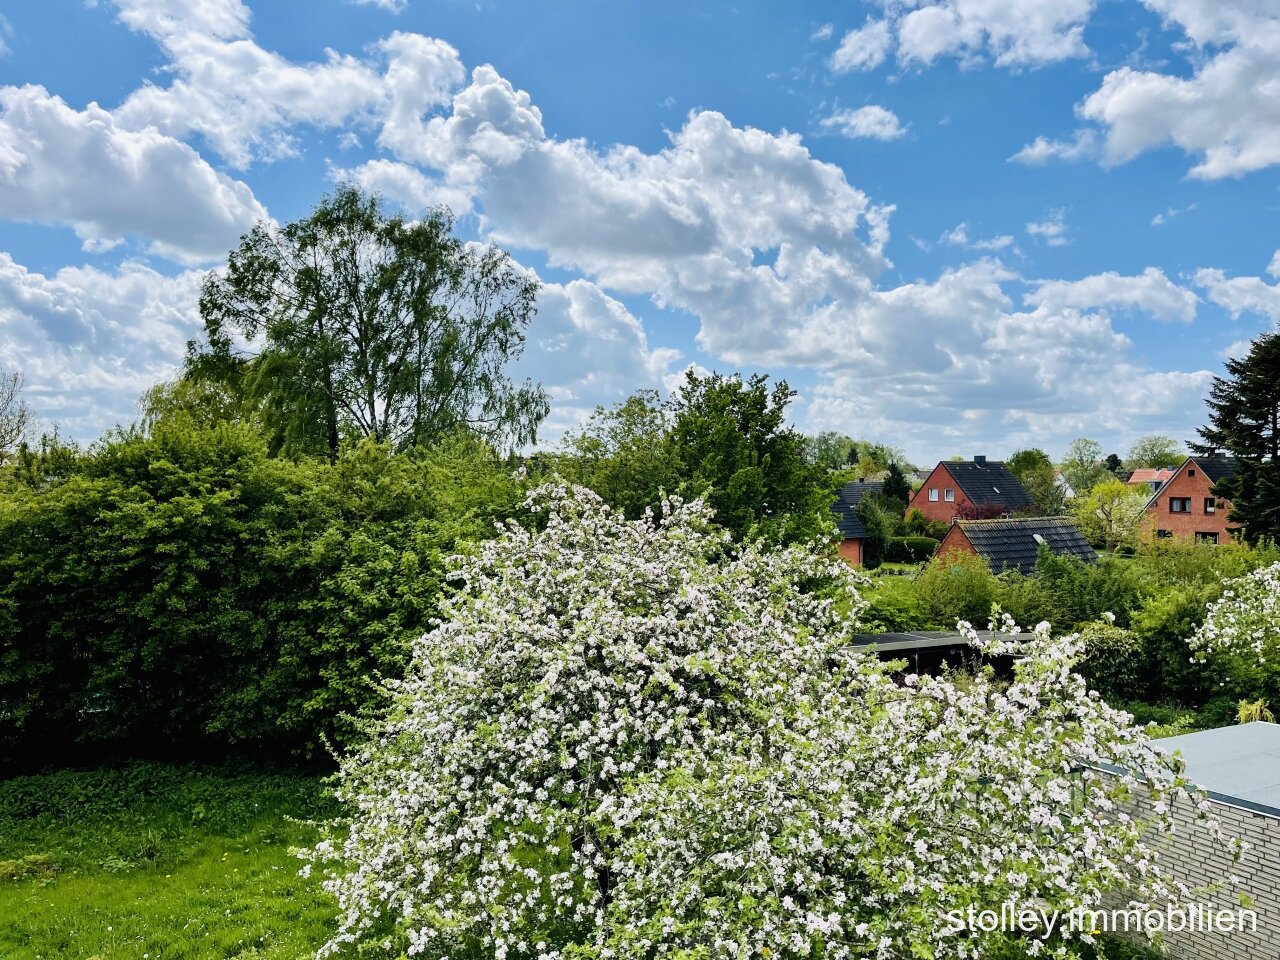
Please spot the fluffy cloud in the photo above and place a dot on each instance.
(772, 252)
(588, 350)
(862, 49)
(1028, 33)
(90, 342)
(873, 122)
(791, 278)
(958, 236)
(1239, 295)
(246, 101)
(81, 168)
(1225, 112)
(1151, 291)
(945, 365)
(1083, 146)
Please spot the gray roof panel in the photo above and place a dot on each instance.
(990, 482)
(1014, 543)
(1241, 762)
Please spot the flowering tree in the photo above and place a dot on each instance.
(1240, 637)
(628, 740)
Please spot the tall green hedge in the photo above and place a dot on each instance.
(181, 593)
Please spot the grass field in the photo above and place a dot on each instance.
(153, 861)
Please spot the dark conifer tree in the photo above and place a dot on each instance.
(1244, 422)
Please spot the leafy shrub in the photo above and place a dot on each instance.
(893, 606)
(184, 589)
(1113, 661)
(910, 549)
(917, 524)
(620, 743)
(957, 586)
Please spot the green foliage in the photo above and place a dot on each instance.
(1113, 661)
(366, 324)
(1155, 451)
(621, 453)
(1082, 465)
(1111, 513)
(1036, 472)
(1244, 421)
(957, 586)
(862, 458)
(733, 447)
(917, 524)
(896, 486)
(910, 549)
(159, 860)
(183, 588)
(894, 605)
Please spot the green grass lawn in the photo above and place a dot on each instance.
(155, 861)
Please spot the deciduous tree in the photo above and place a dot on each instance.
(731, 440)
(356, 321)
(1111, 513)
(1082, 465)
(620, 744)
(1155, 451)
(15, 417)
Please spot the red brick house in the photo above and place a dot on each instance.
(1013, 543)
(1185, 505)
(962, 488)
(853, 532)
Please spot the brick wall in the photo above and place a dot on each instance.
(1191, 855)
(955, 542)
(941, 509)
(851, 550)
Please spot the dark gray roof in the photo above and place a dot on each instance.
(1217, 469)
(848, 497)
(1012, 544)
(990, 482)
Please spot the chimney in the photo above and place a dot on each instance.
(979, 461)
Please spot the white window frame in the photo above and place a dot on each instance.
(933, 494)
(949, 495)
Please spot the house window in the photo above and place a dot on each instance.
(950, 495)
(1206, 537)
(933, 494)
(1210, 505)
(1163, 534)
(1179, 504)
(1191, 472)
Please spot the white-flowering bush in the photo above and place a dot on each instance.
(1240, 637)
(628, 741)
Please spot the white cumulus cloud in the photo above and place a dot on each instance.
(862, 49)
(82, 168)
(1150, 291)
(89, 342)
(872, 122)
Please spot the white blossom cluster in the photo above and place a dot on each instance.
(630, 740)
(1241, 630)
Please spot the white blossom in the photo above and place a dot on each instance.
(638, 740)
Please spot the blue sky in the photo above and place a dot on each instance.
(959, 226)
